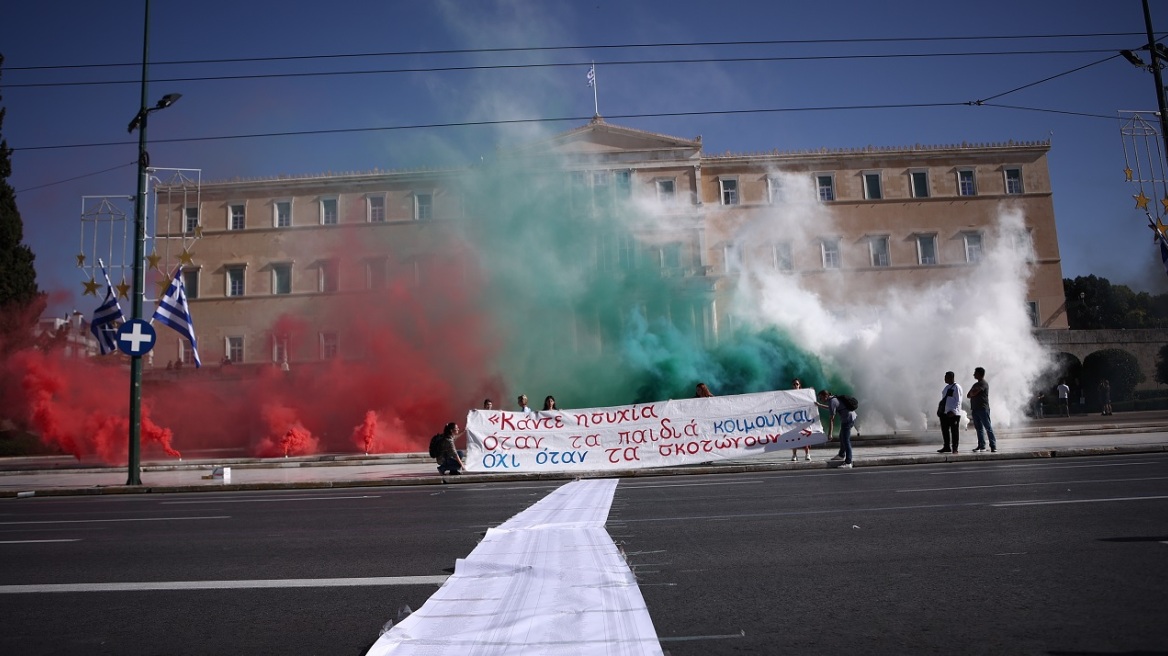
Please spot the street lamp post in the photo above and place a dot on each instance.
(134, 476)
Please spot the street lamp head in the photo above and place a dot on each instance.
(168, 100)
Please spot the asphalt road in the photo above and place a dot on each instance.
(1010, 557)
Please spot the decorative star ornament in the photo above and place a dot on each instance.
(198, 231)
(1141, 201)
(1127, 172)
(154, 258)
(1160, 228)
(123, 289)
(90, 286)
(162, 285)
(80, 260)
(1164, 201)
(186, 257)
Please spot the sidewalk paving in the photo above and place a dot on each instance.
(1134, 432)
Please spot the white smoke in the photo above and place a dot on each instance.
(893, 345)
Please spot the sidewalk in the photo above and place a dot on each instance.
(1134, 432)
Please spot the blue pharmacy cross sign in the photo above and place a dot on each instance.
(136, 337)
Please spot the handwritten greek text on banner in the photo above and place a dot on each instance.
(663, 434)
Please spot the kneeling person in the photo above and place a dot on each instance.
(449, 459)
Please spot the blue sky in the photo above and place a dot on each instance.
(846, 62)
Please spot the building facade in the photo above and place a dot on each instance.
(263, 250)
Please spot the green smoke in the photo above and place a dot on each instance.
(598, 299)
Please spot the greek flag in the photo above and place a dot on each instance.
(1162, 246)
(104, 324)
(592, 76)
(172, 311)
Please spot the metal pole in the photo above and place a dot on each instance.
(1159, 78)
(134, 476)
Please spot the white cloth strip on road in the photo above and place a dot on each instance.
(548, 580)
(104, 521)
(138, 586)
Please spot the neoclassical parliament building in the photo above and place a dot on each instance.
(913, 215)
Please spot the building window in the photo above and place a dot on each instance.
(191, 215)
(920, 184)
(826, 186)
(191, 283)
(328, 276)
(1032, 310)
(376, 273)
(235, 349)
(966, 183)
(328, 346)
(328, 211)
(375, 207)
(423, 207)
(283, 213)
(872, 190)
(626, 252)
(774, 190)
(1014, 181)
(729, 188)
(185, 355)
(878, 250)
(830, 250)
(973, 247)
(670, 257)
(926, 249)
(730, 260)
(282, 278)
(666, 192)
(237, 217)
(235, 281)
(781, 256)
(623, 183)
(280, 349)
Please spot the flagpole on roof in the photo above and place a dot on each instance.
(592, 83)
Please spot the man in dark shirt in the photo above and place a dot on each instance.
(979, 403)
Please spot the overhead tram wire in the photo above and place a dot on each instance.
(698, 44)
(644, 62)
(77, 177)
(516, 121)
(983, 101)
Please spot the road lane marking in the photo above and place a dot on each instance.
(1045, 463)
(983, 487)
(37, 541)
(128, 519)
(1010, 504)
(634, 486)
(140, 586)
(206, 501)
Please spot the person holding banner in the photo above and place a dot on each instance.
(702, 392)
(522, 401)
(847, 420)
(549, 403)
(798, 384)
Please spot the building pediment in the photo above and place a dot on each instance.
(601, 140)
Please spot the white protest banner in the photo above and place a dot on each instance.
(662, 434)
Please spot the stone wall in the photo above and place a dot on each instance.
(1145, 345)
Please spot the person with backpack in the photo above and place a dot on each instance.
(442, 449)
(845, 407)
(949, 412)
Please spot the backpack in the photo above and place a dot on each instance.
(436, 445)
(848, 402)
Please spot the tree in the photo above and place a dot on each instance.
(1094, 303)
(20, 300)
(1162, 365)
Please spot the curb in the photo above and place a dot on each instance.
(735, 468)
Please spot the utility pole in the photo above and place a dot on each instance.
(1154, 50)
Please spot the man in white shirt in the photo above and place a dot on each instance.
(949, 409)
(1065, 397)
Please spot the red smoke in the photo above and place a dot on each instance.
(413, 356)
